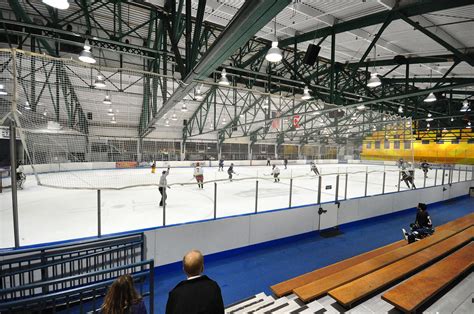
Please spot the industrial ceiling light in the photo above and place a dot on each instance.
(45, 112)
(354, 117)
(107, 100)
(374, 80)
(198, 94)
(361, 107)
(306, 94)
(430, 117)
(430, 98)
(99, 82)
(465, 106)
(400, 109)
(266, 104)
(452, 119)
(211, 127)
(184, 108)
(27, 106)
(57, 4)
(428, 125)
(86, 54)
(112, 120)
(110, 111)
(223, 121)
(468, 125)
(274, 53)
(167, 122)
(224, 80)
(174, 117)
(3, 92)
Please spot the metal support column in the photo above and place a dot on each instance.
(345, 188)
(164, 206)
(366, 181)
(291, 192)
(442, 179)
(320, 179)
(256, 196)
(337, 189)
(215, 200)
(99, 215)
(399, 180)
(383, 183)
(13, 167)
(436, 176)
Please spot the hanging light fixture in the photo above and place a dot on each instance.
(45, 112)
(211, 126)
(3, 92)
(274, 53)
(184, 108)
(112, 120)
(27, 106)
(430, 117)
(167, 122)
(374, 80)
(306, 94)
(99, 82)
(57, 4)
(354, 117)
(86, 54)
(400, 109)
(223, 121)
(468, 125)
(452, 119)
(430, 98)
(224, 80)
(428, 125)
(110, 111)
(174, 117)
(198, 94)
(465, 106)
(107, 100)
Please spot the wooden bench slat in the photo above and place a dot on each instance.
(411, 294)
(322, 286)
(287, 287)
(356, 290)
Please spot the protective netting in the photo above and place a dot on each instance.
(79, 127)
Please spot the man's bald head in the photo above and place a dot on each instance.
(193, 263)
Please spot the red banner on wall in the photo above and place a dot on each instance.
(296, 121)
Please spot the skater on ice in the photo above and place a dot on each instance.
(422, 227)
(231, 171)
(163, 185)
(268, 161)
(221, 165)
(285, 162)
(314, 168)
(199, 175)
(401, 163)
(153, 167)
(276, 173)
(408, 176)
(425, 166)
(20, 176)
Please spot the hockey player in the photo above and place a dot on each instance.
(153, 167)
(425, 166)
(199, 175)
(285, 162)
(408, 176)
(276, 173)
(163, 185)
(230, 171)
(221, 165)
(422, 227)
(268, 161)
(314, 168)
(20, 176)
(401, 163)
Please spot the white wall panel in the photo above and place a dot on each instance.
(375, 206)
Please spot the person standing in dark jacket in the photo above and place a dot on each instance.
(198, 293)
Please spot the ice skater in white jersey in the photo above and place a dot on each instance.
(276, 173)
(314, 168)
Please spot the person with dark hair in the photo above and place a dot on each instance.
(153, 167)
(422, 227)
(199, 175)
(221, 165)
(285, 162)
(20, 176)
(268, 161)
(276, 173)
(231, 171)
(425, 166)
(123, 298)
(163, 185)
(198, 293)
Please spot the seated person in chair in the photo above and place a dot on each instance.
(422, 227)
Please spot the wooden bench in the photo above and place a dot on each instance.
(360, 288)
(322, 286)
(413, 293)
(287, 287)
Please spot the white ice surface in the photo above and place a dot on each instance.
(50, 214)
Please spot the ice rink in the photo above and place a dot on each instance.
(50, 214)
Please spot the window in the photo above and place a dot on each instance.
(439, 142)
(386, 144)
(455, 141)
(407, 144)
(396, 145)
(377, 144)
(425, 142)
(470, 141)
(369, 145)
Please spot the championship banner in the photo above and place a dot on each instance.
(296, 121)
(126, 164)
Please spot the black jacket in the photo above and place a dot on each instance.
(199, 295)
(423, 219)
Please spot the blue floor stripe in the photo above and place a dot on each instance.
(249, 272)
